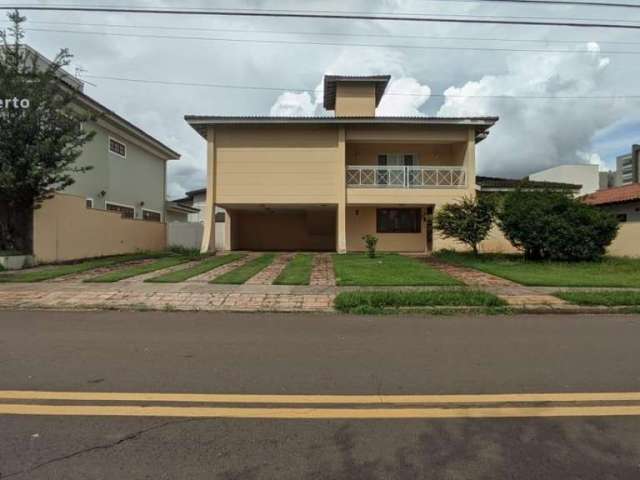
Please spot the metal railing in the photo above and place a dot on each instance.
(374, 176)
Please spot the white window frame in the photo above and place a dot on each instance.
(114, 153)
(120, 205)
(152, 211)
(89, 199)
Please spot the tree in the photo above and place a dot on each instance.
(553, 225)
(41, 134)
(468, 221)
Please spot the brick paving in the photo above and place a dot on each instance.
(269, 274)
(322, 273)
(81, 277)
(157, 273)
(511, 292)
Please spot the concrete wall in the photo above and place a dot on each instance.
(355, 99)
(586, 175)
(64, 229)
(188, 235)
(627, 243)
(140, 177)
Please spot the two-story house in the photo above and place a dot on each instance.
(322, 183)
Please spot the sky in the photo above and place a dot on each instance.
(438, 69)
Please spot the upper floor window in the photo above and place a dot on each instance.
(124, 210)
(118, 148)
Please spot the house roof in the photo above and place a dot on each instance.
(177, 206)
(331, 84)
(201, 122)
(626, 193)
(502, 184)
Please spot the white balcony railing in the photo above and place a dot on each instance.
(405, 177)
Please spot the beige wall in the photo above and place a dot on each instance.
(312, 230)
(627, 243)
(271, 165)
(450, 154)
(355, 100)
(362, 221)
(64, 229)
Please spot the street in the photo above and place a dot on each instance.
(121, 395)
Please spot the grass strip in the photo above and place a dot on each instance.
(387, 269)
(609, 272)
(376, 302)
(297, 271)
(136, 270)
(203, 267)
(49, 273)
(602, 298)
(246, 271)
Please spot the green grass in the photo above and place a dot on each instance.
(136, 270)
(387, 269)
(376, 302)
(297, 272)
(608, 272)
(49, 273)
(203, 267)
(606, 298)
(246, 271)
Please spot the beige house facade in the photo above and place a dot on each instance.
(322, 183)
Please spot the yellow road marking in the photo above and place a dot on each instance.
(321, 399)
(319, 413)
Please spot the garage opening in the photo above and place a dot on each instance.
(284, 229)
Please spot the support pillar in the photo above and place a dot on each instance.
(341, 217)
(209, 236)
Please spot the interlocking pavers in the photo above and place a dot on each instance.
(322, 273)
(268, 275)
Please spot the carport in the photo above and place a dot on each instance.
(283, 228)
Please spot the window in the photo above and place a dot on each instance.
(622, 217)
(151, 216)
(124, 210)
(220, 217)
(89, 203)
(118, 148)
(399, 220)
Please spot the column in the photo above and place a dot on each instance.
(341, 217)
(209, 236)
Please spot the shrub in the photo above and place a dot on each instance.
(552, 225)
(468, 221)
(370, 241)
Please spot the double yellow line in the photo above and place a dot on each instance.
(320, 406)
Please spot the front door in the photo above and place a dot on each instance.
(393, 176)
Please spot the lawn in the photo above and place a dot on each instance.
(134, 271)
(375, 302)
(55, 271)
(246, 271)
(202, 267)
(297, 272)
(386, 269)
(606, 298)
(609, 272)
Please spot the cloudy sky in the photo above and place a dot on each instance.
(437, 68)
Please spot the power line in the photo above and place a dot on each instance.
(551, 2)
(311, 90)
(339, 34)
(332, 16)
(334, 44)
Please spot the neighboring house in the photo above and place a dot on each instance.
(198, 200)
(495, 184)
(127, 178)
(321, 183)
(178, 212)
(623, 202)
(628, 167)
(586, 175)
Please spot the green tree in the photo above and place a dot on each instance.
(553, 225)
(41, 134)
(468, 221)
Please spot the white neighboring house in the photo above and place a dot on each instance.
(198, 200)
(586, 175)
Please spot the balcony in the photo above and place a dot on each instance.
(366, 176)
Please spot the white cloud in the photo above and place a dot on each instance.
(535, 134)
(293, 104)
(413, 97)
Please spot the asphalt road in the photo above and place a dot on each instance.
(284, 355)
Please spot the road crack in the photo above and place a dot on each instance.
(127, 438)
